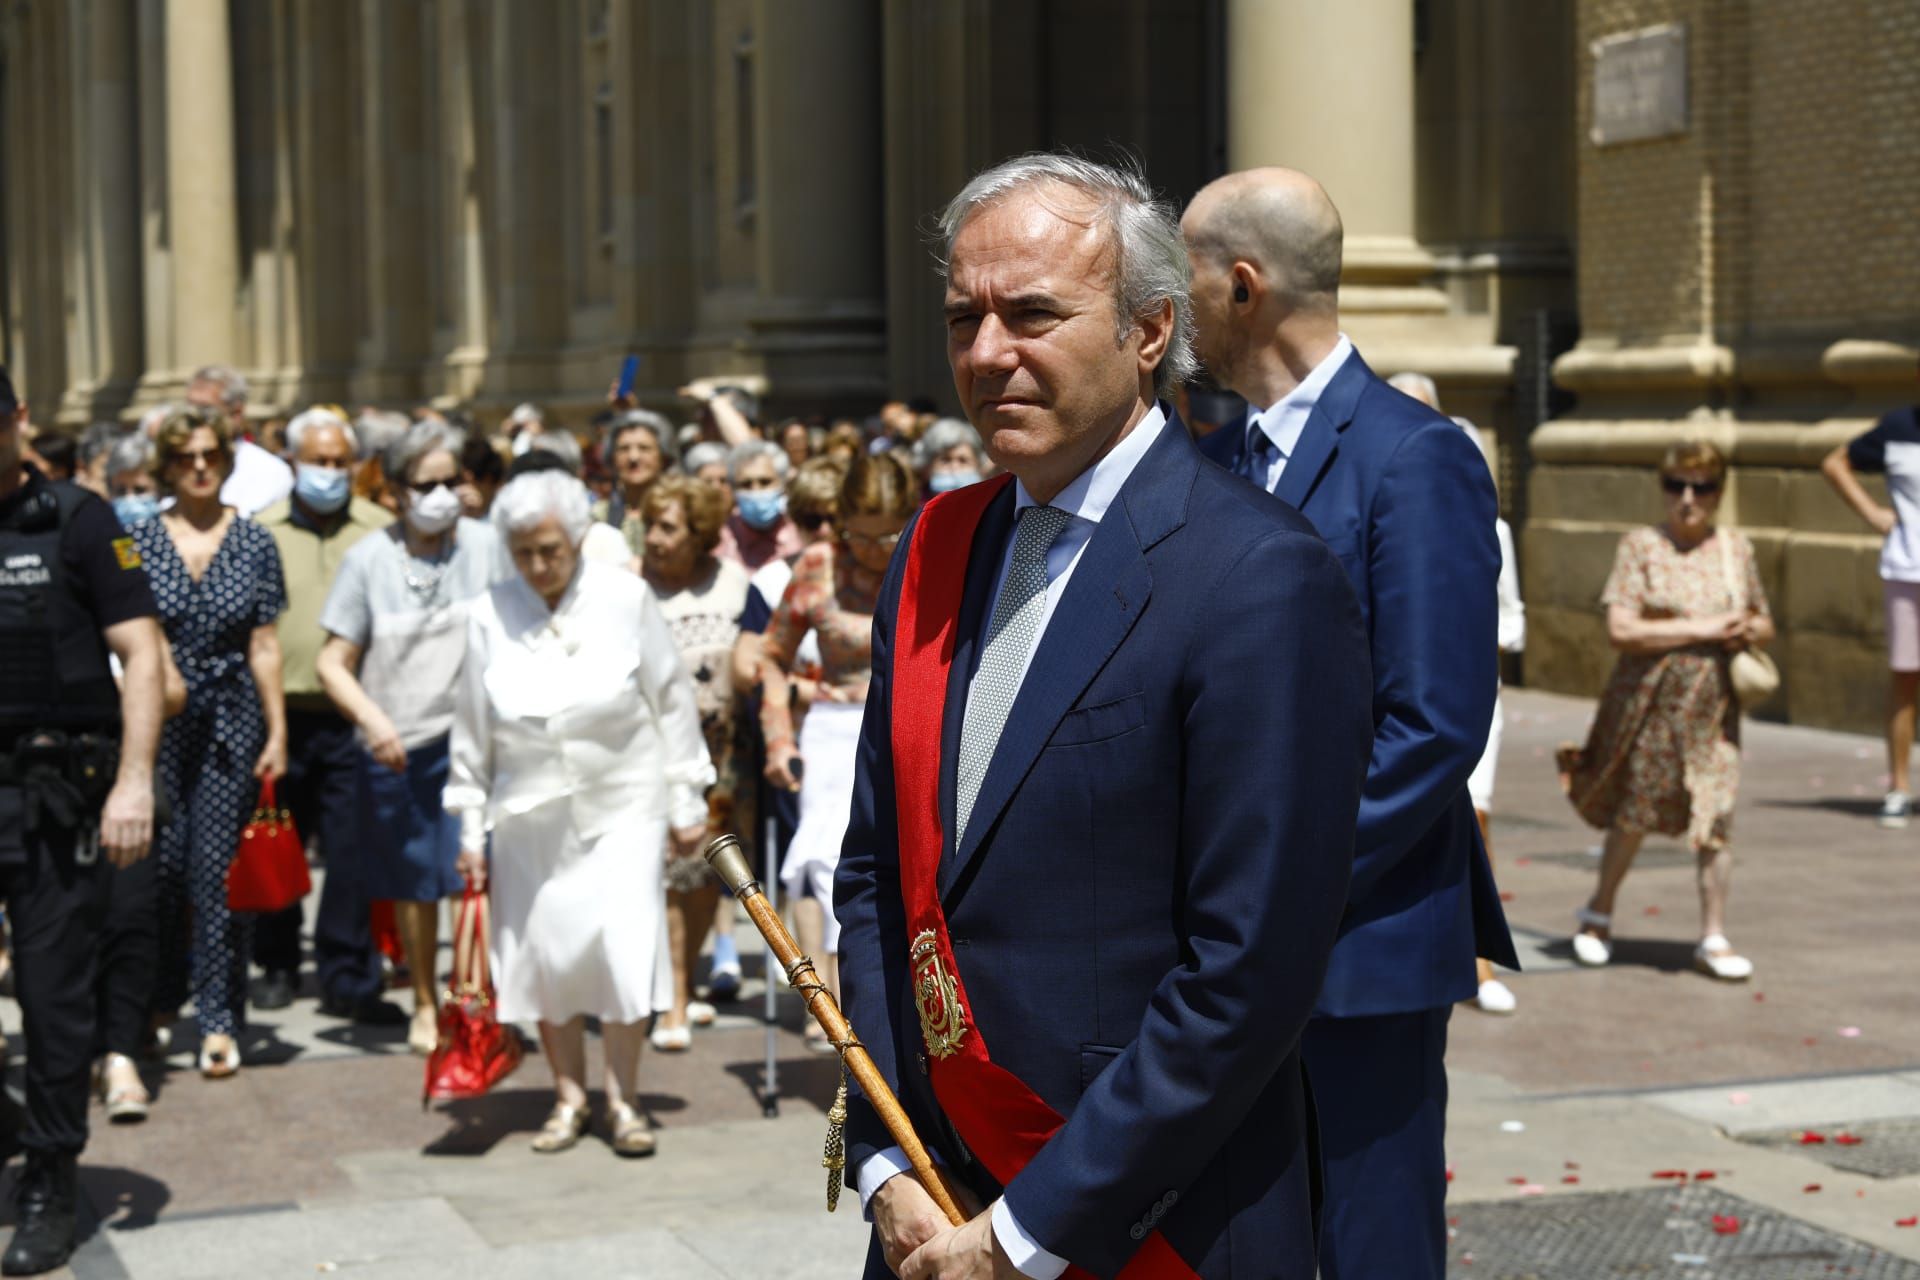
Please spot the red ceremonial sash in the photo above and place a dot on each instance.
(1002, 1121)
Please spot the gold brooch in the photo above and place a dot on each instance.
(937, 996)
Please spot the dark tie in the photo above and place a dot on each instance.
(1256, 462)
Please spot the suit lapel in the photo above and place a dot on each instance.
(976, 605)
(1105, 597)
(1321, 438)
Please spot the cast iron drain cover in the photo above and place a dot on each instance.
(1659, 1232)
(1887, 1148)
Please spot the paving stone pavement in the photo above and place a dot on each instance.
(319, 1159)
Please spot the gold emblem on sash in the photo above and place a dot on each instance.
(937, 996)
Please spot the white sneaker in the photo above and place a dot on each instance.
(1895, 809)
(1496, 997)
(1715, 957)
(1589, 950)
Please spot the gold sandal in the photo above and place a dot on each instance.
(563, 1128)
(632, 1135)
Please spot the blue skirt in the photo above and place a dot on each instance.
(412, 844)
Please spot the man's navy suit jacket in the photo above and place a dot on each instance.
(1153, 873)
(1404, 499)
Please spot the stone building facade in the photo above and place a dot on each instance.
(477, 202)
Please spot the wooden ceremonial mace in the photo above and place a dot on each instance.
(729, 862)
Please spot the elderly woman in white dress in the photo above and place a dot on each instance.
(577, 746)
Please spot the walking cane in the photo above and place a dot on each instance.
(770, 1095)
(729, 862)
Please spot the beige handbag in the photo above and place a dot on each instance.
(1754, 675)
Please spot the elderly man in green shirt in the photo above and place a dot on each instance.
(314, 528)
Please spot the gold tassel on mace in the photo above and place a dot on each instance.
(835, 1159)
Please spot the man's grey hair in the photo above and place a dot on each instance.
(421, 439)
(561, 445)
(99, 438)
(233, 386)
(744, 453)
(1417, 385)
(628, 420)
(318, 417)
(1150, 259)
(943, 435)
(129, 453)
(705, 454)
(527, 499)
(376, 430)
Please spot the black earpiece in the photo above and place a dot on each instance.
(1239, 293)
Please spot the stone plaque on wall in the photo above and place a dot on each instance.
(1640, 85)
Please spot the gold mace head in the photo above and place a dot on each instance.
(729, 862)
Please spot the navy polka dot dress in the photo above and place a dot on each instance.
(207, 753)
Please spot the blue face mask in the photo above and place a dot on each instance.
(132, 508)
(944, 481)
(761, 508)
(322, 489)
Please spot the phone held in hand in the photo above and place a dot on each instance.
(629, 371)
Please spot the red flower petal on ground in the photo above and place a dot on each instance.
(1571, 1179)
(1523, 862)
(1758, 996)
(1907, 1222)
(1811, 1187)
(1808, 1040)
(1571, 1164)
(1653, 911)
(1518, 1181)
(1505, 896)
(1808, 1138)
(1705, 1175)
(1678, 1175)
(1848, 1139)
(1725, 1224)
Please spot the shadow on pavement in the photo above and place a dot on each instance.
(123, 1199)
(812, 1079)
(1667, 955)
(1854, 806)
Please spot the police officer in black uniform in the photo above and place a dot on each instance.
(76, 794)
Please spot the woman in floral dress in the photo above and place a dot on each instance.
(1664, 751)
(834, 588)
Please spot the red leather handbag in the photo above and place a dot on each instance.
(475, 1052)
(269, 871)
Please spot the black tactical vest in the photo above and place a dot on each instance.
(53, 659)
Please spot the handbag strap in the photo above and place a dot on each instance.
(1736, 590)
(471, 971)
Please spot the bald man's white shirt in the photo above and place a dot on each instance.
(1283, 421)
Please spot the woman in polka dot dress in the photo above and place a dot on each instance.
(216, 576)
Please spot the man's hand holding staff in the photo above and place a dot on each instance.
(729, 862)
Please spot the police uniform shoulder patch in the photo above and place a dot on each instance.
(126, 553)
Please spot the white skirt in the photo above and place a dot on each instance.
(829, 744)
(1480, 784)
(579, 927)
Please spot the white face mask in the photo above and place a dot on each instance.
(433, 513)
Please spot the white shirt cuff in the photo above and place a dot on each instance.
(1022, 1250)
(874, 1173)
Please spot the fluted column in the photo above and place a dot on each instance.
(1328, 89)
(202, 216)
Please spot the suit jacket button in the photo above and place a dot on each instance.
(1167, 1201)
(920, 1056)
(1138, 1232)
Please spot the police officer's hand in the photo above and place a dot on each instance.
(383, 742)
(472, 864)
(273, 760)
(126, 824)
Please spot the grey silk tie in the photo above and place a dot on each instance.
(1003, 663)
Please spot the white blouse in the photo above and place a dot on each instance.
(586, 704)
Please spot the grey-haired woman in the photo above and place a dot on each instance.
(396, 638)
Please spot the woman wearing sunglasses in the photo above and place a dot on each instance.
(1664, 751)
(834, 588)
(396, 624)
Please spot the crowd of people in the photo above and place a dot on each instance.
(521, 661)
(550, 661)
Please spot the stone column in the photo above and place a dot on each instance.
(819, 254)
(202, 216)
(1328, 89)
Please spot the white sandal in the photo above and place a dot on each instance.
(1716, 958)
(562, 1130)
(671, 1039)
(1589, 949)
(632, 1135)
(700, 1013)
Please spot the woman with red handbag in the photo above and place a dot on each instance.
(577, 752)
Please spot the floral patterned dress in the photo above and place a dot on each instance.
(1664, 752)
